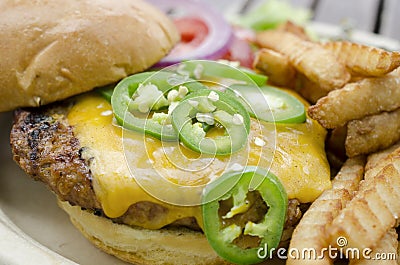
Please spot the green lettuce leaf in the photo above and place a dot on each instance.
(270, 14)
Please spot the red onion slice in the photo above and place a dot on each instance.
(217, 42)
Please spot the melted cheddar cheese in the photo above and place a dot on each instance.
(294, 152)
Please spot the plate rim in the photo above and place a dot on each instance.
(33, 250)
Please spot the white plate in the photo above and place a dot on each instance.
(33, 230)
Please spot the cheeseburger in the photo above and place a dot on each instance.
(200, 162)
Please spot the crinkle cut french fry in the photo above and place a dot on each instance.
(396, 72)
(386, 249)
(295, 29)
(310, 232)
(364, 60)
(375, 159)
(350, 175)
(372, 133)
(309, 58)
(357, 100)
(276, 66)
(308, 89)
(376, 162)
(371, 213)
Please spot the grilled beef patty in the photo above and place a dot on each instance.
(44, 146)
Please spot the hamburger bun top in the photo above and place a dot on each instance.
(51, 50)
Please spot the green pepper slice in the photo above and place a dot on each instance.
(214, 108)
(106, 92)
(208, 70)
(283, 107)
(135, 113)
(244, 212)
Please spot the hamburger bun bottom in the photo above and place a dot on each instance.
(143, 246)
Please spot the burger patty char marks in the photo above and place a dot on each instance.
(44, 146)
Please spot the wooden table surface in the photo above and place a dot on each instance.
(376, 16)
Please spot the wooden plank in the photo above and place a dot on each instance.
(390, 19)
(358, 13)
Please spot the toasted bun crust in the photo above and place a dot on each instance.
(143, 246)
(51, 50)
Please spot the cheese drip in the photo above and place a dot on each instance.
(295, 153)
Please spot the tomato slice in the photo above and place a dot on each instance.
(241, 52)
(193, 32)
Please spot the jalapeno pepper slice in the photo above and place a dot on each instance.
(136, 98)
(244, 212)
(106, 92)
(214, 108)
(283, 107)
(208, 70)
